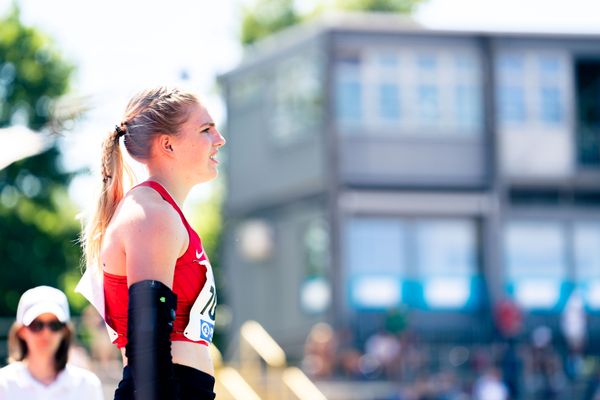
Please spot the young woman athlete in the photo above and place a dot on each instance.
(157, 294)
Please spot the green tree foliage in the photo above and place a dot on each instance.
(397, 6)
(266, 17)
(37, 225)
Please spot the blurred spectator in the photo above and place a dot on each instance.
(383, 348)
(573, 324)
(38, 344)
(319, 351)
(512, 368)
(489, 386)
(546, 378)
(413, 357)
(348, 355)
(573, 321)
(592, 390)
(104, 354)
(447, 386)
(508, 317)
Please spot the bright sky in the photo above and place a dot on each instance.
(122, 46)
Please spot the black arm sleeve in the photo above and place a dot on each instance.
(151, 312)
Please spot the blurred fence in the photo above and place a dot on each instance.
(5, 324)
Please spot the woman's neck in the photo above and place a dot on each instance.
(178, 190)
(41, 369)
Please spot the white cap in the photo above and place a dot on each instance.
(41, 300)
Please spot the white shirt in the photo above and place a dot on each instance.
(490, 388)
(72, 383)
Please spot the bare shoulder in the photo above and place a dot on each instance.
(152, 235)
(144, 211)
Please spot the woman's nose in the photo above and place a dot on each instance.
(220, 141)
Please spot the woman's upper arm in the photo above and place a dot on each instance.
(153, 240)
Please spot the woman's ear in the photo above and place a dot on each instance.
(165, 144)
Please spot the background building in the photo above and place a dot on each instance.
(375, 164)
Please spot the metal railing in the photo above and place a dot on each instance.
(261, 371)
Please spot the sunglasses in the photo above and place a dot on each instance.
(37, 326)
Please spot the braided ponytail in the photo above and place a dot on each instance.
(112, 168)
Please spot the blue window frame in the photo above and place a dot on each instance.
(375, 261)
(535, 258)
(468, 106)
(512, 104)
(446, 260)
(389, 101)
(349, 90)
(428, 103)
(388, 60)
(429, 264)
(511, 91)
(349, 100)
(427, 62)
(587, 262)
(551, 105)
(511, 64)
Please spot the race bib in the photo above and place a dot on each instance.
(201, 325)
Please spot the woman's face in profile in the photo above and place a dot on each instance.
(43, 335)
(197, 146)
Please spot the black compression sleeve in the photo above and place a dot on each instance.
(151, 312)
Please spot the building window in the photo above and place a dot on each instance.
(315, 290)
(427, 63)
(551, 107)
(428, 97)
(531, 88)
(511, 92)
(467, 106)
(375, 262)
(388, 60)
(414, 90)
(512, 104)
(389, 101)
(550, 74)
(428, 104)
(297, 97)
(587, 261)
(467, 93)
(349, 100)
(425, 263)
(587, 116)
(349, 90)
(446, 260)
(535, 263)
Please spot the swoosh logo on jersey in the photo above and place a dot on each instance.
(198, 255)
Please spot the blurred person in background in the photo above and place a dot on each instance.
(384, 348)
(546, 378)
(574, 329)
(106, 357)
(147, 272)
(319, 351)
(38, 347)
(489, 386)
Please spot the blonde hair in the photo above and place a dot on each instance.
(160, 110)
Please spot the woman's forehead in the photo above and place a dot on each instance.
(46, 317)
(199, 116)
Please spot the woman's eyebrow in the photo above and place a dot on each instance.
(211, 124)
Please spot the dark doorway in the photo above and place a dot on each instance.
(587, 78)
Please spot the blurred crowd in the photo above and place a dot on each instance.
(534, 366)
